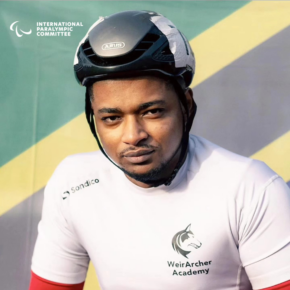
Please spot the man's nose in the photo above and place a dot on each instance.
(133, 131)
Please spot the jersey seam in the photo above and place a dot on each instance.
(274, 278)
(239, 277)
(280, 247)
(261, 190)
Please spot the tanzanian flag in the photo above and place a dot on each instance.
(241, 88)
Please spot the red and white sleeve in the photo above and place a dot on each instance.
(58, 255)
(38, 283)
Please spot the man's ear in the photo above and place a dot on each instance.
(190, 101)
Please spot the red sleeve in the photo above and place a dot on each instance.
(282, 286)
(38, 283)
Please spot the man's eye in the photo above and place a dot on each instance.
(111, 119)
(154, 111)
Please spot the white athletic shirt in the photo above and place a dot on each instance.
(223, 223)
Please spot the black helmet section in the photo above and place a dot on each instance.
(130, 42)
(134, 43)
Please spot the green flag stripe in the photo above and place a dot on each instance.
(29, 172)
(38, 90)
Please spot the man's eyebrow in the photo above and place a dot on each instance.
(140, 108)
(149, 104)
(110, 110)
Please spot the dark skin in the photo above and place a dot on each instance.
(139, 121)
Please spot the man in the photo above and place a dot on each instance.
(157, 208)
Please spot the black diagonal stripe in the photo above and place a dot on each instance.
(245, 106)
(18, 229)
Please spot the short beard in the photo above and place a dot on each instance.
(155, 176)
(151, 177)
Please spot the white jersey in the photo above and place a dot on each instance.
(223, 223)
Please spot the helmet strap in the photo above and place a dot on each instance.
(187, 123)
(91, 122)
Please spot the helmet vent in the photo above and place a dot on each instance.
(87, 49)
(147, 42)
(164, 54)
(151, 37)
(166, 51)
(142, 47)
(89, 52)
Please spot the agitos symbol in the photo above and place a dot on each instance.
(16, 30)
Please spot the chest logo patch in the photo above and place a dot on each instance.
(74, 189)
(184, 242)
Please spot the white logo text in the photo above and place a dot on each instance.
(113, 45)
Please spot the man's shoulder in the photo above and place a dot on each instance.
(208, 157)
(82, 164)
(206, 154)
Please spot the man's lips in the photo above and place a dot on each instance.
(138, 156)
(138, 153)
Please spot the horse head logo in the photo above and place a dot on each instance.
(184, 241)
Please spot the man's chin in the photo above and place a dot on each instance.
(147, 176)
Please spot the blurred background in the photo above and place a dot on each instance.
(241, 88)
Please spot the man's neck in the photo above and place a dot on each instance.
(139, 183)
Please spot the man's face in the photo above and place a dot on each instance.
(139, 121)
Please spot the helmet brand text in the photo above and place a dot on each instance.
(113, 45)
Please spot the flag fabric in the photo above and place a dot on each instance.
(241, 88)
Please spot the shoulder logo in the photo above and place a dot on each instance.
(184, 242)
(113, 45)
(74, 189)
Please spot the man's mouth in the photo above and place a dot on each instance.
(138, 156)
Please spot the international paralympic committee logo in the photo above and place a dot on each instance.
(16, 30)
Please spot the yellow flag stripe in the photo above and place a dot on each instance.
(92, 282)
(30, 171)
(248, 27)
(237, 34)
(277, 156)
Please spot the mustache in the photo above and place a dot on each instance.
(135, 148)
